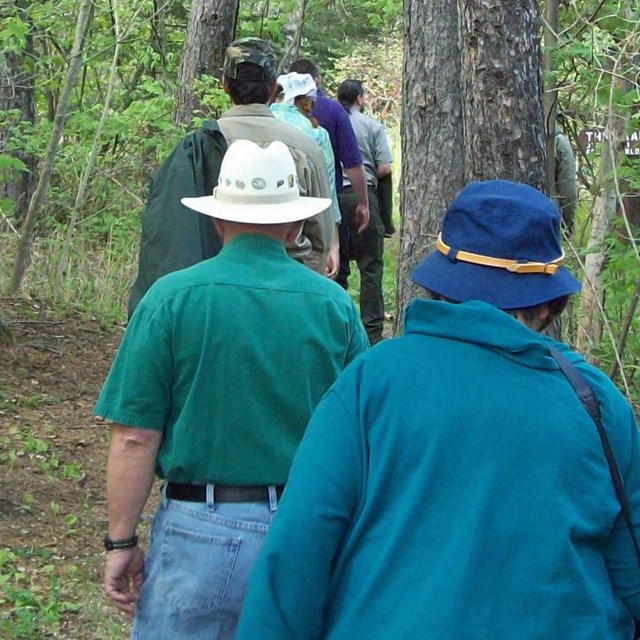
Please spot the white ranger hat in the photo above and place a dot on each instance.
(257, 186)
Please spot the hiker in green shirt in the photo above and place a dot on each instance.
(215, 380)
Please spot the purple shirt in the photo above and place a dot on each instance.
(333, 117)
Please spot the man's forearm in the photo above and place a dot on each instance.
(383, 170)
(130, 473)
(335, 243)
(333, 256)
(358, 182)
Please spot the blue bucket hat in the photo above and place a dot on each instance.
(500, 243)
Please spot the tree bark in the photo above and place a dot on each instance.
(293, 36)
(211, 29)
(75, 64)
(550, 89)
(501, 85)
(432, 152)
(16, 93)
(472, 110)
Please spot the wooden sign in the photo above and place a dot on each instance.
(588, 139)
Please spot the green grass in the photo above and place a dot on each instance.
(17, 443)
(35, 594)
(96, 281)
(41, 597)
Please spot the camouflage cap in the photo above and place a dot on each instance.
(252, 50)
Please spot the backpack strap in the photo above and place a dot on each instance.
(589, 402)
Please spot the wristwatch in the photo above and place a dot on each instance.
(111, 545)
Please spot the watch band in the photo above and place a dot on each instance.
(111, 545)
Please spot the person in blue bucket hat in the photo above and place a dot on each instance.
(451, 483)
(493, 234)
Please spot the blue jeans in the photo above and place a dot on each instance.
(197, 568)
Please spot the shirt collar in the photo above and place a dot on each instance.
(481, 324)
(281, 106)
(239, 110)
(254, 242)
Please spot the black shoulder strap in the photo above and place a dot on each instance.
(588, 400)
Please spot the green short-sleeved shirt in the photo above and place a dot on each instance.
(229, 358)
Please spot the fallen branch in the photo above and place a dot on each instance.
(8, 223)
(42, 347)
(38, 321)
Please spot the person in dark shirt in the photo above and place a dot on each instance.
(332, 116)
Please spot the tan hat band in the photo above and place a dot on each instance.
(257, 198)
(513, 266)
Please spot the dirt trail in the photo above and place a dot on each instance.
(52, 459)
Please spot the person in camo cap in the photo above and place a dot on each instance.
(173, 237)
(253, 50)
(249, 78)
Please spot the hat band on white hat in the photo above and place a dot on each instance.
(514, 266)
(241, 198)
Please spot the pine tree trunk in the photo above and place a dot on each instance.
(472, 110)
(501, 85)
(550, 89)
(432, 152)
(211, 29)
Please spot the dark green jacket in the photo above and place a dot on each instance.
(173, 236)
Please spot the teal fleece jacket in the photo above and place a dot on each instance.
(451, 486)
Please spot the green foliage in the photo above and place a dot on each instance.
(332, 30)
(13, 34)
(33, 604)
(598, 45)
(138, 132)
(619, 288)
(20, 445)
(11, 163)
(380, 69)
(211, 97)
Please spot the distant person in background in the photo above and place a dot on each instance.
(366, 248)
(565, 183)
(346, 153)
(294, 102)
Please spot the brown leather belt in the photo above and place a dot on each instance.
(221, 493)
